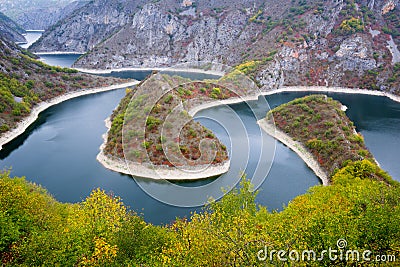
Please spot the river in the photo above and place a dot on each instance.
(59, 151)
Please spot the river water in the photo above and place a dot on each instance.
(59, 151)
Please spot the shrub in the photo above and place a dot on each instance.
(352, 25)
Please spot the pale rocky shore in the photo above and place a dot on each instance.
(107, 71)
(58, 53)
(297, 147)
(201, 172)
(36, 110)
(121, 166)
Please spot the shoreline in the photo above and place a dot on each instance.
(95, 71)
(217, 170)
(156, 172)
(297, 147)
(40, 107)
(288, 89)
(57, 53)
(120, 166)
(323, 89)
(235, 100)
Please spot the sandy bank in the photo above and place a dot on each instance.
(157, 172)
(297, 147)
(36, 110)
(95, 71)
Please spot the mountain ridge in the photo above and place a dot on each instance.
(334, 43)
(85, 27)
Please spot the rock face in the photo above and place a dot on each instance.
(333, 42)
(39, 14)
(155, 38)
(43, 18)
(10, 30)
(86, 27)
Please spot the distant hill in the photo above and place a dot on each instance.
(87, 26)
(10, 30)
(39, 14)
(287, 42)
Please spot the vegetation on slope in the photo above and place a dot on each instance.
(301, 29)
(320, 124)
(25, 81)
(36, 230)
(157, 135)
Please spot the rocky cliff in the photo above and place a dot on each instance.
(44, 18)
(301, 42)
(87, 26)
(10, 30)
(39, 14)
(157, 38)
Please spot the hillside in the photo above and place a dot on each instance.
(350, 43)
(87, 26)
(39, 14)
(25, 82)
(151, 126)
(321, 126)
(10, 30)
(164, 33)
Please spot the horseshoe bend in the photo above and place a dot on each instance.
(152, 133)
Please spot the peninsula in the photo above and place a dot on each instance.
(152, 134)
(318, 130)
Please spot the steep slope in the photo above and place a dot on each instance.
(352, 43)
(76, 32)
(38, 14)
(10, 30)
(86, 27)
(25, 82)
(43, 18)
(161, 36)
(336, 43)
